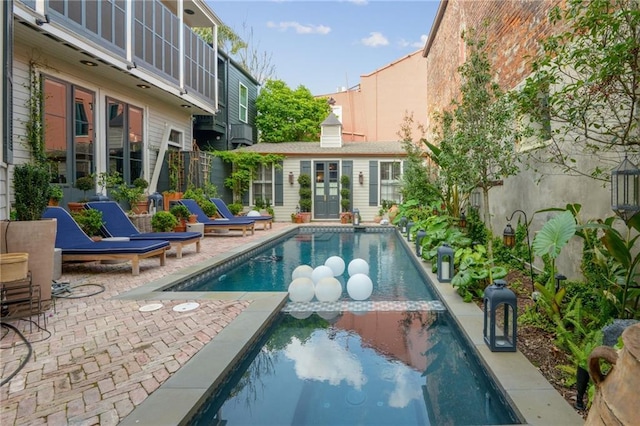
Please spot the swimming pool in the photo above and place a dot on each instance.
(373, 368)
(269, 268)
(395, 359)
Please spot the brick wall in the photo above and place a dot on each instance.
(514, 30)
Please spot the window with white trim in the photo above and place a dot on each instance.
(390, 180)
(262, 186)
(244, 103)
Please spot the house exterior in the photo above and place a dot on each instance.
(515, 29)
(374, 170)
(120, 84)
(375, 109)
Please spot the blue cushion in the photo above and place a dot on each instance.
(194, 208)
(226, 213)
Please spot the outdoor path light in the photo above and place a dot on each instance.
(403, 224)
(509, 239)
(409, 225)
(445, 263)
(419, 237)
(500, 336)
(559, 279)
(463, 220)
(356, 217)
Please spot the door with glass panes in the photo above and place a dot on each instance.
(326, 192)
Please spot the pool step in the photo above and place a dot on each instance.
(367, 305)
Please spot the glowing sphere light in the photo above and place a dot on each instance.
(321, 272)
(328, 289)
(336, 264)
(302, 271)
(301, 290)
(360, 287)
(358, 266)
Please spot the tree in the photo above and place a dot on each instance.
(585, 87)
(477, 137)
(286, 115)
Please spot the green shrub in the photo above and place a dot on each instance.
(235, 208)
(180, 211)
(90, 220)
(31, 186)
(163, 222)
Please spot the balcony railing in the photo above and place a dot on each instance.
(241, 134)
(155, 38)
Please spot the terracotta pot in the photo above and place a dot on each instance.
(141, 207)
(617, 397)
(193, 218)
(167, 197)
(53, 202)
(75, 206)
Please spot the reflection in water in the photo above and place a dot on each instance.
(393, 368)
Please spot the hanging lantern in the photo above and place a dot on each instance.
(445, 263)
(463, 220)
(509, 236)
(419, 237)
(625, 189)
(500, 336)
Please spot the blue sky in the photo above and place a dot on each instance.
(325, 45)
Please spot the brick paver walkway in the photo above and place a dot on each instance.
(101, 357)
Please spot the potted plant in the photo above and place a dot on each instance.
(84, 184)
(163, 222)
(133, 195)
(181, 213)
(29, 233)
(203, 200)
(235, 208)
(55, 194)
(174, 163)
(90, 220)
(305, 196)
(345, 202)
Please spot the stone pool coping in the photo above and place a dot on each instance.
(526, 389)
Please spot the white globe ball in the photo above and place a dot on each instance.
(302, 271)
(328, 289)
(360, 287)
(301, 290)
(336, 264)
(321, 272)
(253, 213)
(358, 266)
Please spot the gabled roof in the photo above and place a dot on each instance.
(313, 149)
(331, 120)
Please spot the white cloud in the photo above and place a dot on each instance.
(299, 28)
(375, 39)
(325, 360)
(416, 44)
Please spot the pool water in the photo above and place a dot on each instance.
(391, 267)
(395, 359)
(372, 368)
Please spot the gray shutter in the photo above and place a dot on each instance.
(7, 81)
(347, 169)
(278, 186)
(373, 183)
(305, 167)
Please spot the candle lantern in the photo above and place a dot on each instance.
(419, 237)
(445, 263)
(356, 217)
(499, 301)
(403, 224)
(155, 202)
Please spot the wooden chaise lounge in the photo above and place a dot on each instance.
(210, 225)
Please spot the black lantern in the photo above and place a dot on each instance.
(463, 220)
(403, 225)
(409, 225)
(445, 263)
(509, 236)
(291, 178)
(155, 200)
(356, 217)
(625, 189)
(419, 237)
(500, 336)
(361, 178)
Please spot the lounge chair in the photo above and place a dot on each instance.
(223, 210)
(117, 224)
(77, 246)
(210, 225)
